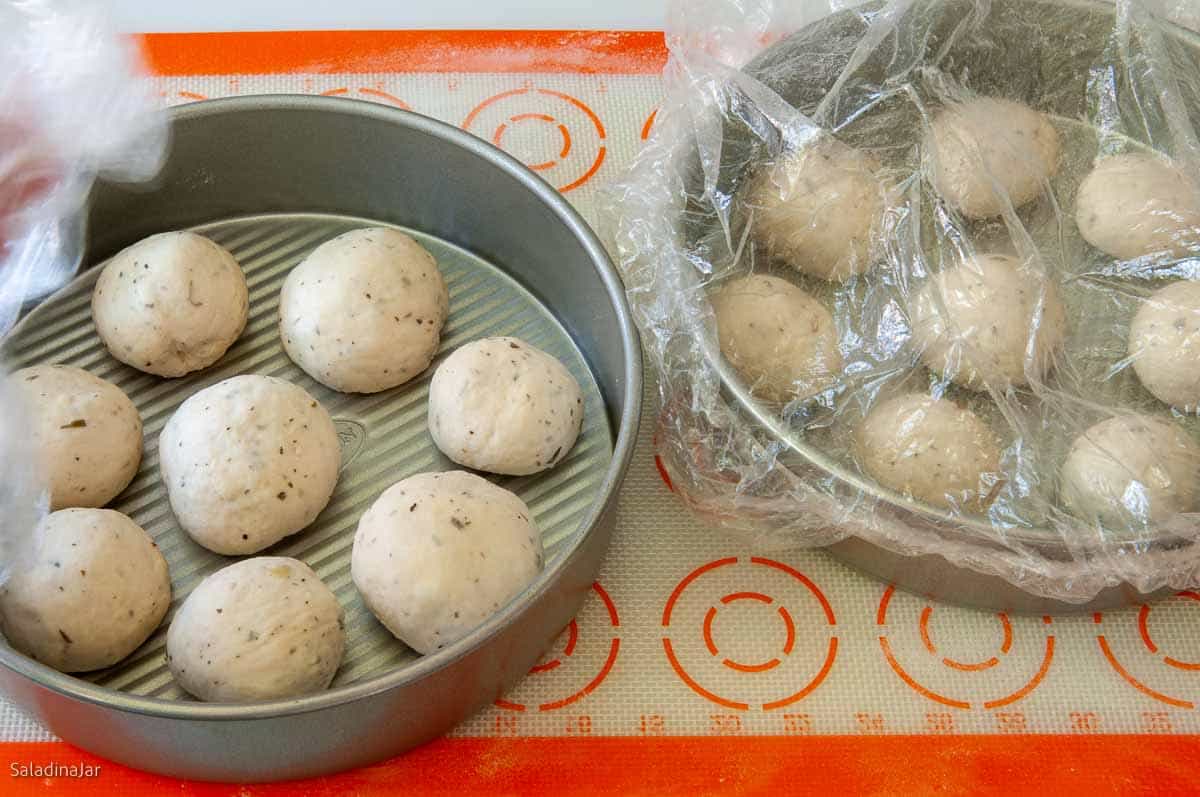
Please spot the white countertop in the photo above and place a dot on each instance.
(146, 16)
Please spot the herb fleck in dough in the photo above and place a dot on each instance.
(86, 431)
(1138, 204)
(248, 462)
(781, 340)
(500, 405)
(87, 591)
(1164, 344)
(987, 153)
(974, 323)
(171, 304)
(819, 209)
(438, 553)
(1130, 471)
(261, 629)
(364, 312)
(930, 449)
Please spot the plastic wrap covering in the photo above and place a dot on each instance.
(71, 109)
(922, 273)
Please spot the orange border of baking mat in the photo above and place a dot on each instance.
(853, 765)
(360, 51)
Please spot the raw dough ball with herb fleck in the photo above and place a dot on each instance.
(818, 209)
(992, 321)
(781, 340)
(87, 590)
(503, 406)
(1139, 204)
(86, 430)
(171, 304)
(265, 628)
(983, 154)
(932, 450)
(364, 312)
(1164, 344)
(438, 553)
(1131, 471)
(247, 462)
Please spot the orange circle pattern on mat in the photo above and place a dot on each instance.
(553, 133)
(575, 676)
(721, 671)
(369, 93)
(648, 125)
(1140, 670)
(951, 681)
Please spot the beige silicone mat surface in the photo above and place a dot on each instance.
(689, 632)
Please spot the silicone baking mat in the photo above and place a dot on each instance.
(698, 664)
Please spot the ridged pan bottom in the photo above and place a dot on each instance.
(383, 436)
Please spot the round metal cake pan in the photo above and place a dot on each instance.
(271, 178)
(801, 69)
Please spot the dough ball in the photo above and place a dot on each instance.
(987, 152)
(992, 321)
(87, 431)
(818, 209)
(364, 312)
(781, 340)
(438, 553)
(171, 304)
(1130, 471)
(1139, 204)
(503, 406)
(87, 591)
(247, 462)
(261, 629)
(1164, 344)
(930, 449)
